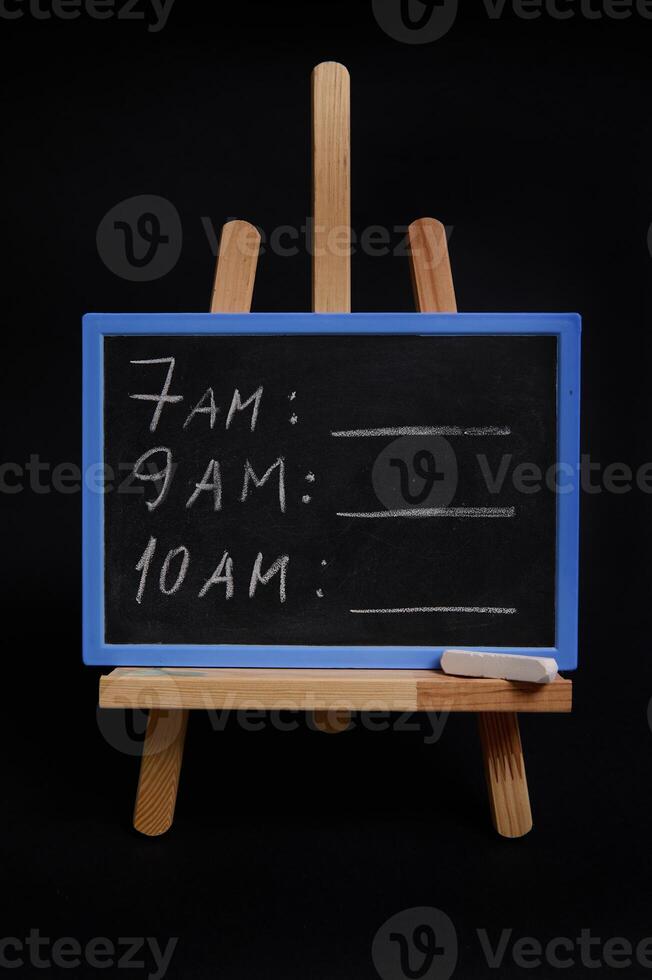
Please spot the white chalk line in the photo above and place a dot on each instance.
(422, 430)
(422, 512)
(491, 610)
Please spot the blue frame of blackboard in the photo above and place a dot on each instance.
(565, 326)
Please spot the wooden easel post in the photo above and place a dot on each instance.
(331, 189)
(160, 766)
(499, 733)
(331, 227)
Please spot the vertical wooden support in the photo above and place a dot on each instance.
(160, 766)
(331, 229)
(504, 768)
(235, 272)
(331, 183)
(432, 279)
(434, 292)
(160, 769)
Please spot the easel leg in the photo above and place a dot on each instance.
(505, 772)
(504, 767)
(160, 768)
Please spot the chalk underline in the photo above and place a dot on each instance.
(422, 512)
(423, 430)
(492, 610)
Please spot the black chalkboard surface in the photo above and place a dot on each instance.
(329, 491)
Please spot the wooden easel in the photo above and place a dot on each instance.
(169, 694)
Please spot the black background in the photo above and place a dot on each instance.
(532, 140)
(341, 383)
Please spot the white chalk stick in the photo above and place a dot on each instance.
(506, 666)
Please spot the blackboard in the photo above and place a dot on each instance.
(313, 490)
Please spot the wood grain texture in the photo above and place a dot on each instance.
(505, 774)
(331, 161)
(325, 690)
(160, 769)
(331, 228)
(235, 273)
(432, 278)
